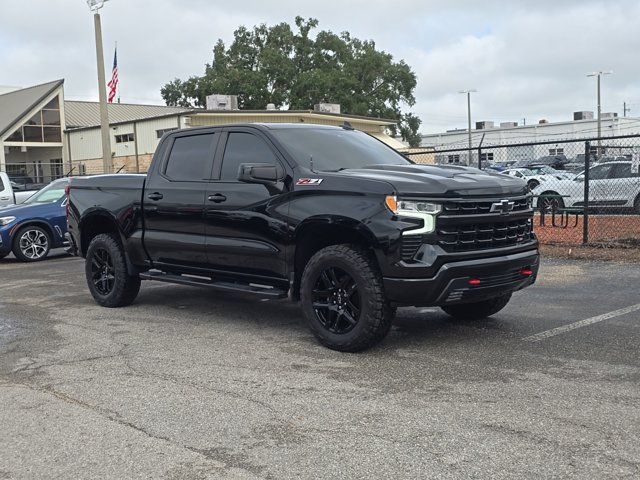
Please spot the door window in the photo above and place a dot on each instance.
(623, 170)
(244, 148)
(600, 172)
(191, 158)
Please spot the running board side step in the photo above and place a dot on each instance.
(255, 289)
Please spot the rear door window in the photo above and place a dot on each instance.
(623, 170)
(191, 158)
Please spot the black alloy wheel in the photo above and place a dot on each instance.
(336, 300)
(102, 271)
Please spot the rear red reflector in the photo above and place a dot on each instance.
(474, 281)
(527, 272)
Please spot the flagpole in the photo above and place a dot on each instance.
(102, 93)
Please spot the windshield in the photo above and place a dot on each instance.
(544, 169)
(334, 150)
(51, 193)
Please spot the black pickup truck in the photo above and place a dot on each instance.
(329, 216)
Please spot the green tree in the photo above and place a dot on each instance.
(292, 69)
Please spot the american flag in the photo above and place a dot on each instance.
(113, 83)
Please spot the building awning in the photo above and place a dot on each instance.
(392, 142)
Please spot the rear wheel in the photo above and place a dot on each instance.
(31, 244)
(106, 270)
(343, 300)
(2, 255)
(478, 310)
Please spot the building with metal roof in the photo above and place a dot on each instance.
(43, 136)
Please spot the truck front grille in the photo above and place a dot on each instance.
(473, 208)
(482, 236)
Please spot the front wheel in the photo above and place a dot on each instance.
(106, 270)
(636, 205)
(478, 310)
(31, 244)
(533, 184)
(550, 202)
(343, 299)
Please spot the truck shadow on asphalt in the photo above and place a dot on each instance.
(276, 317)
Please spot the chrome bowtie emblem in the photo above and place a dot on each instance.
(503, 207)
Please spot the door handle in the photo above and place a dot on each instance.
(5, 198)
(217, 198)
(155, 196)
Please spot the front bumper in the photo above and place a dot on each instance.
(450, 285)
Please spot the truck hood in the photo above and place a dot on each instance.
(441, 181)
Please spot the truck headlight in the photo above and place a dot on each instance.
(425, 211)
(6, 220)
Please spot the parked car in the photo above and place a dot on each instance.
(553, 161)
(328, 215)
(532, 179)
(611, 185)
(12, 193)
(32, 229)
(547, 170)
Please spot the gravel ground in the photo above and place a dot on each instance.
(192, 384)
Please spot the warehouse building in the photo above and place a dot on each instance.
(486, 133)
(43, 136)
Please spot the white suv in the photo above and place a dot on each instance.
(611, 185)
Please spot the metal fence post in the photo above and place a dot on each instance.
(585, 216)
(480, 158)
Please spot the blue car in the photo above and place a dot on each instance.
(30, 230)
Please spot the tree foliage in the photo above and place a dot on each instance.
(295, 70)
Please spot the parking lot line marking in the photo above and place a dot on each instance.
(582, 323)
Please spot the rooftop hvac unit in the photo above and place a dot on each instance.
(222, 102)
(508, 124)
(585, 115)
(484, 125)
(609, 115)
(542, 121)
(327, 108)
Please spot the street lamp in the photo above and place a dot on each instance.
(468, 93)
(95, 6)
(599, 74)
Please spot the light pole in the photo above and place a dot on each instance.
(95, 6)
(599, 74)
(469, 92)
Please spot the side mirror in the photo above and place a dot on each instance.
(264, 173)
(579, 178)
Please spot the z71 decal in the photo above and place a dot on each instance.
(309, 181)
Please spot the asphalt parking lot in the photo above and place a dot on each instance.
(189, 384)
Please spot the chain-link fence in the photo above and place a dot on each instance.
(584, 191)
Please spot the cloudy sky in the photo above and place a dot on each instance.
(527, 59)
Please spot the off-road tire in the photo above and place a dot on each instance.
(2, 255)
(125, 287)
(478, 310)
(375, 313)
(17, 251)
